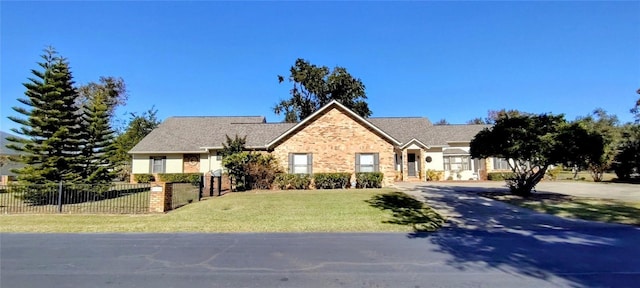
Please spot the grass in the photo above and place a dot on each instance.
(254, 211)
(131, 203)
(602, 210)
(584, 176)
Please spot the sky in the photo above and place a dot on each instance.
(452, 60)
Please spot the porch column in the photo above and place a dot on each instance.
(405, 170)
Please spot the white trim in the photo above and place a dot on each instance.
(168, 152)
(322, 110)
(416, 141)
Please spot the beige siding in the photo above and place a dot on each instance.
(334, 138)
(437, 162)
(141, 163)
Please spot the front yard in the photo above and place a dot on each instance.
(253, 211)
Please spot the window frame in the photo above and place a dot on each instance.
(375, 166)
(500, 162)
(307, 166)
(152, 164)
(464, 164)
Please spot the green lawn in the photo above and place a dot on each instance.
(254, 211)
(583, 176)
(602, 210)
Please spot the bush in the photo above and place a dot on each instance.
(292, 181)
(433, 175)
(193, 178)
(251, 170)
(554, 172)
(500, 176)
(369, 179)
(332, 180)
(144, 178)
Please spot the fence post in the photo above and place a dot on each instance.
(60, 197)
(211, 186)
(200, 187)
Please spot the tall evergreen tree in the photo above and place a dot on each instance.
(51, 128)
(98, 142)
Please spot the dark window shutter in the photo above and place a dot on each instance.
(150, 164)
(376, 162)
(290, 162)
(310, 163)
(357, 162)
(164, 164)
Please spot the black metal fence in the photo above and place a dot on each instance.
(185, 193)
(74, 198)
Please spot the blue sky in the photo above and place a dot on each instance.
(453, 60)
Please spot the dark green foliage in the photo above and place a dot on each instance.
(98, 142)
(233, 146)
(193, 178)
(111, 90)
(51, 128)
(408, 211)
(314, 87)
(286, 181)
(331, 180)
(603, 145)
(369, 179)
(139, 126)
(251, 170)
(143, 178)
(442, 122)
(627, 161)
(500, 176)
(533, 143)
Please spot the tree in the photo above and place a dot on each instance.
(494, 115)
(477, 120)
(601, 125)
(98, 141)
(138, 127)
(627, 161)
(233, 146)
(636, 109)
(530, 143)
(111, 90)
(51, 128)
(314, 87)
(442, 122)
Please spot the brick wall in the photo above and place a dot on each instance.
(334, 138)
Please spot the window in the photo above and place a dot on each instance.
(300, 163)
(500, 164)
(459, 163)
(158, 164)
(218, 156)
(367, 162)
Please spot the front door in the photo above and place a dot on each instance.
(411, 164)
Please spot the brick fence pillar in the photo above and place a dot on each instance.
(160, 197)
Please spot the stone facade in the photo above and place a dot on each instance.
(334, 138)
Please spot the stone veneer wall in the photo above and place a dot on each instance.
(334, 138)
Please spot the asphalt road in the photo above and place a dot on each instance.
(488, 244)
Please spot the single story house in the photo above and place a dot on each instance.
(333, 139)
(6, 165)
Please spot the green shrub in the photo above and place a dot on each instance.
(500, 176)
(293, 181)
(193, 178)
(434, 175)
(144, 178)
(369, 179)
(332, 180)
(554, 172)
(251, 170)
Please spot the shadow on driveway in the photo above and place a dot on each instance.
(491, 234)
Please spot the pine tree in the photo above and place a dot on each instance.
(51, 129)
(98, 142)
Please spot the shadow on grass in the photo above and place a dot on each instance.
(408, 211)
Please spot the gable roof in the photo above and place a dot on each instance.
(199, 134)
(325, 108)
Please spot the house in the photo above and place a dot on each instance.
(6, 165)
(333, 139)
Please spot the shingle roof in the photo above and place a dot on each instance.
(194, 134)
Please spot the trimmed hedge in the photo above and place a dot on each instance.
(293, 181)
(193, 178)
(331, 180)
(144, 178)
(369, 179)
(500, 176)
